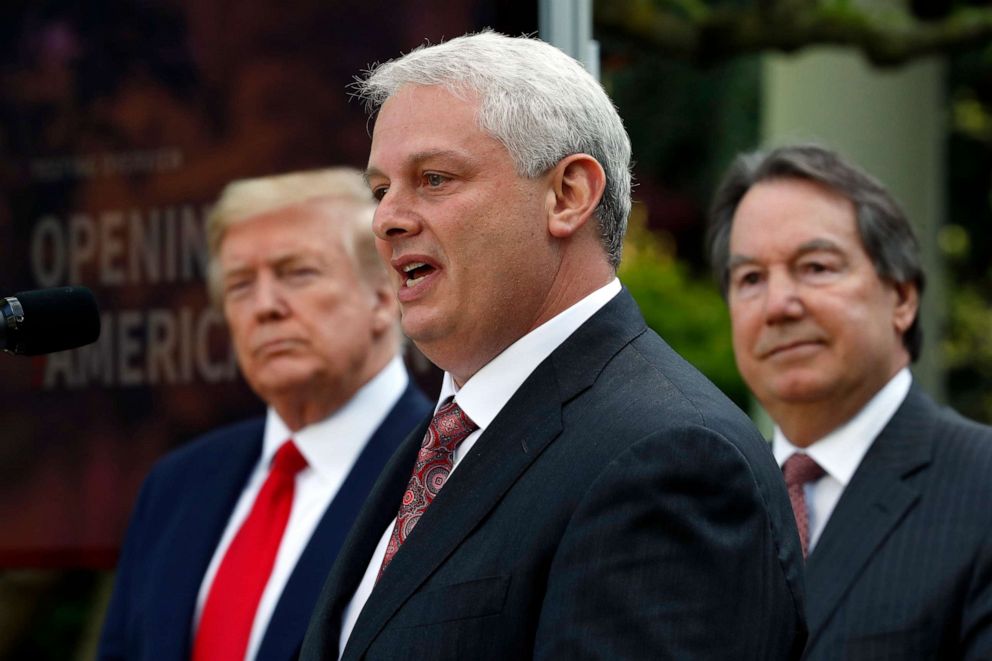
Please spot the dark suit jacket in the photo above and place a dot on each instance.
(903, 569)
(180, 515)
(618, 507)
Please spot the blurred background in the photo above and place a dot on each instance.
(120, 121)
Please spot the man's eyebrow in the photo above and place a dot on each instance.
(274, 259)
(417, 158)
(815, 245)
(370, 172)
(818, 244)
(739, 260)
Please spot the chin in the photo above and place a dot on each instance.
(284, 379)
(801, 391)
(424, 328)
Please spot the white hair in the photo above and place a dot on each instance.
(541, 104)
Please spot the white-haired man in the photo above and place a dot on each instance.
(233, 533)
(604, 500)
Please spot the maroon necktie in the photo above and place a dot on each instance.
(799, 470)
(449, 427)
(229, 610)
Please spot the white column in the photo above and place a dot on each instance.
(567, 24)
(889, 121)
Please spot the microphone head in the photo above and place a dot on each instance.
(54, 319)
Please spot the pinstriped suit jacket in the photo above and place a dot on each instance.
(618, 507)
(903, 569)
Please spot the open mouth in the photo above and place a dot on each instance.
(415, 272)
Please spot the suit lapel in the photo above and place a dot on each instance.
(527, 424)
(195, 535)
(289, 620)
(379, 510)
(871, 507)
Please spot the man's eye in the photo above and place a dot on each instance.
(817, 268)
(236, 287)
(299, 274)
(748, 278)
(434, 180)
(379, 192)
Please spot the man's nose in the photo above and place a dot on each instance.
(268, 300)
(395, 215)
(783, 300)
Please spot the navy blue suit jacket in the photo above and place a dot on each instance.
(180, 515)
(618, 507)
(903, 569)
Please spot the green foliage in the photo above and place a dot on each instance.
(965, 240)
(686, 311)
(967, 351)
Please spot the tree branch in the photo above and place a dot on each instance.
(713, 35)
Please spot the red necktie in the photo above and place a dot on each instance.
(798, 470)
(449, 427)
(229, 611)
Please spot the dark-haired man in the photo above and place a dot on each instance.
(892, 493)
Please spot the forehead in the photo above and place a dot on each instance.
(419, 122)
(310, 228)
(784, 214)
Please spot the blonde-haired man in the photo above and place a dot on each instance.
(233, 533)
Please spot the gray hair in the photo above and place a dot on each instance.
(885, 232)
(245, 199)
(539, 103)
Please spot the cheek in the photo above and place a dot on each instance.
(384, 250)
(745, 324)
(342, 319)
(239, 330)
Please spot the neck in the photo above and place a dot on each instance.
(557, 300)
(298, 415)
(805, 423)
(310, 403)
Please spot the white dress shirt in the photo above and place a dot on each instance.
(482, 398)
(840, 452)
(330, 447)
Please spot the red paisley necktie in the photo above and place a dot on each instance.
(447, 430)
(229, 611)
(798, 470)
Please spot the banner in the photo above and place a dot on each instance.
(120, 122)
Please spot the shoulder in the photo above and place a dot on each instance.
(941, 455)
(672, 392)
(955, 437)
(963, 446)
(205, 452)
(650, 406)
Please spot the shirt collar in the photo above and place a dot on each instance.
(840, 452)
(486, 393)
(327, 442)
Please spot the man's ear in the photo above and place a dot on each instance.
(385, 308)
(577, 185)
(907, 305)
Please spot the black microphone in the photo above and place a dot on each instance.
(48, 320)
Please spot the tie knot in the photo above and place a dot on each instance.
(449, 427)
(288, 460)
(800, 469)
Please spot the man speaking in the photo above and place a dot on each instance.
(582, 492)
